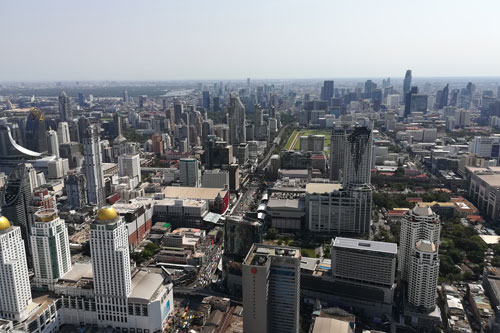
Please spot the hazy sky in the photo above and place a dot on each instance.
(219, 39)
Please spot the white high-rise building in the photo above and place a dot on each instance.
(271, 289)
(53, 143)
(15, 288)
(424, 273)
(92, 164)
(111, 266)
(65, 107)
(419, 223)
(63, 132)
(419, 257)
(189, 172)
(50, 248)
(130, 165)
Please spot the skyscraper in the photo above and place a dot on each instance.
(357, 158)
(418, 256)
(111, 267)
(337, 151)
(15, 198)
(236, 117)
(125, 97)
(81, 99)
(35, 131)
(14, 278)
(271, 289)
(189, 172)
(443, 101)
(50, 248)
(206, 100)
(76, 190)
(53, 143)
(63, 132)
(408, 99)
(407, 84)
(65, 107)
(92, 164)
(328, 91)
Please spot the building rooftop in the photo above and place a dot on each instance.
(491, 180)
(424, 245)
(327, 325)
(183, 192)
(365, 245)
(181, 202)
(79, 271)
(259, 254)
(285, 203)
(322, 188)
(422, 210)
(145, 286)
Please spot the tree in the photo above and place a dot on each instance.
(495, 262)
(272, 234)
(476, 257)
(400, 172)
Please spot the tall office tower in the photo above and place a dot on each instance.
(216, 102)
(92, 164)
(248, 84)
(419, 103)
(424, 273)
(338, 144)
(14, 278)
(143, 99)
(35, 131)
(53, 143)
(259, 121)
(178, 111)
(357, 157)
(421, 223)
(76, 190)
(81, 99)
(125, 96)
(63, 132)
(130, 165)
(206, 100)
(407, 84)
(408, 98)
(50, 248)
(189, 172)
(369, 87)
(328, 91)
(65, 107)
(111, 266)
(236, 117)
(443, 100)
(271, 289)
(16, 195)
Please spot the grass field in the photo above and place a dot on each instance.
(297, 134)
(308, 252)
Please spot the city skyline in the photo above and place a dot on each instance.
(197, 40)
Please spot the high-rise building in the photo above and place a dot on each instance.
(206, 100)
(76, 191)
(15, 198)
(328, 89)
(418, 256)
(408, 99)
(53, 143)
(338, 143)
(63, 132)
(130, 165)
(407, 84)
(111, 267)
(419, 103)
(125, 97)
(443, 101)
(50, 248)
(271, 289)
(92, 165)
(236, 117)
(65, 107)
(81, 99)
(189, 172)
(357, 158)
(14, 278)
(35, 131)
(362, 262)
(424, 274)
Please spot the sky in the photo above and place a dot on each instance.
(230, 39)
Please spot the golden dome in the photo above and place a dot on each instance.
(4, 223)
(107, 213)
